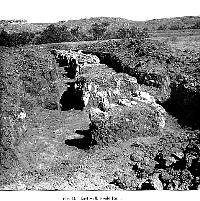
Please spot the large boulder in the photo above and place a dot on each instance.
(123, 123)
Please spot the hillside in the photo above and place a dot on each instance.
(186, 22)
(20, 27)
(114, 23)
(16, 33)
(85, 24)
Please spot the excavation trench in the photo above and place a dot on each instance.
(182, 104)
(114, 62)
(72, 98)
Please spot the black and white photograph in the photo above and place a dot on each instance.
(100, 100)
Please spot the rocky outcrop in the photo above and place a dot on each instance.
(122, 123)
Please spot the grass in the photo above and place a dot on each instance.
(182, 42)
(177, 33)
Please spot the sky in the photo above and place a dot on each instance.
(57, 10)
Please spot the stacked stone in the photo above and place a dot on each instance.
(81, 58)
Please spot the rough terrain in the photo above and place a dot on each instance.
(113, 135)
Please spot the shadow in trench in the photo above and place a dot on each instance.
(84, 143)
(72, 98)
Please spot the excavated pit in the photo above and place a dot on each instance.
(86, 142)
(182, 104)
(72, 98)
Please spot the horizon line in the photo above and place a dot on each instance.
(27, 21)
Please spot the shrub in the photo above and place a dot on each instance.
(15, 39)
(197, 25)
(98, 30)
(131, 32)
(54, 34)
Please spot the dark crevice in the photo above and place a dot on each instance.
(83, 143)
(69, 64)
(71, 69)
(147, 186)
(185, 106)
(63, 61)
(72, 98)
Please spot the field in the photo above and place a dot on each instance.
(179, 39)
(78, 149)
